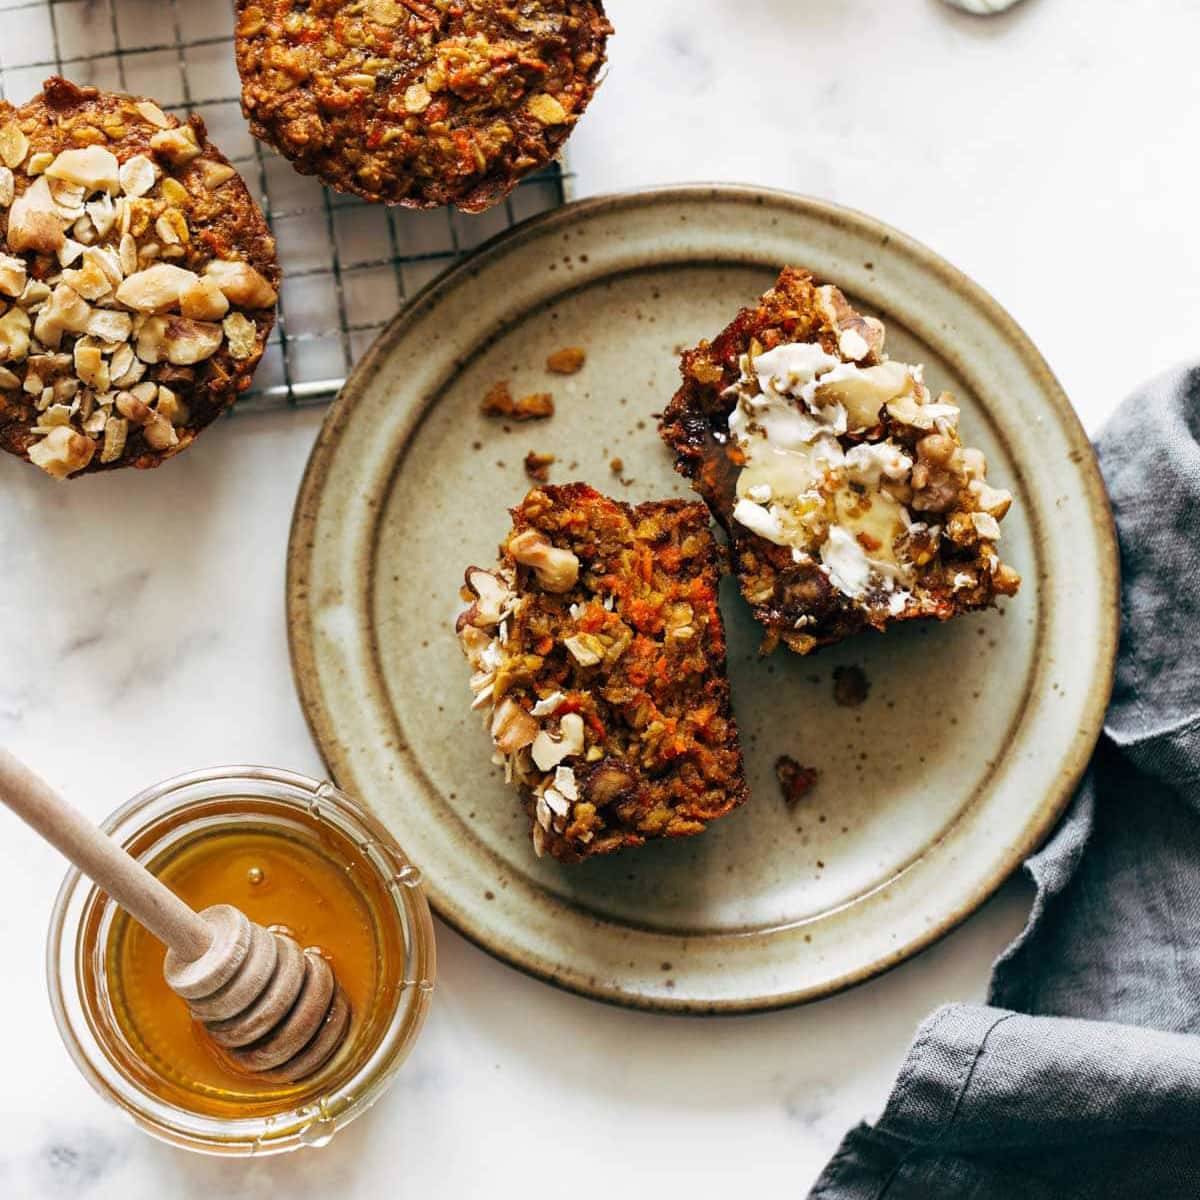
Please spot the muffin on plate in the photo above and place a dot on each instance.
(137, 281)
(599, 657)
(419, 102)
(848, 497)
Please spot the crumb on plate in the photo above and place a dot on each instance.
(850, 686)
(795, 781)
(499, 402)
(567, 361)
(537, 466)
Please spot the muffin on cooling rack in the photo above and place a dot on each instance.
(849, 499)
(419, 102)
(599, 658)
(137, 281)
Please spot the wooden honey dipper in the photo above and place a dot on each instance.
(275, 1010)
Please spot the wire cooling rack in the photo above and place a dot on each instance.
(348, 265)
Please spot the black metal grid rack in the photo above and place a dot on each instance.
(348, 265)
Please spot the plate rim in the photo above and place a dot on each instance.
(301, 644)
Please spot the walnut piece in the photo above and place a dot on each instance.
(178, 146)
(549, 751)
(241, 284)
(93, 168)
(188, 342)
(14, 335)
(203, 301)
(62, 452)
(241, 335)
(157, 289)
(138, 175)
(556, 570)
(512, 727)
(493, 596)
(33, 223)
(12, 275)
(14, 145)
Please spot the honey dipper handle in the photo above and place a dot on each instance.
(104, 862)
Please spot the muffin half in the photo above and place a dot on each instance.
(849, 499)
(599, 658)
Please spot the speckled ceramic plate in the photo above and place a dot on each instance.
(931, 792)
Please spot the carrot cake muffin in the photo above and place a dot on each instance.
(849, 500)
(137, 281)
(419, 102)
(599, 658)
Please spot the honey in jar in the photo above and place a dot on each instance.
(289, 870)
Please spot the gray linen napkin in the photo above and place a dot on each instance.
(1079, 1081)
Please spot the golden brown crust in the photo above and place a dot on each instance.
(953, 569)
(196, 185)
(611, 623)
(419, 103)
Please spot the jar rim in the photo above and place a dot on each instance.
(315, 1121)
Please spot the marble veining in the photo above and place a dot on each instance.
(142, 633)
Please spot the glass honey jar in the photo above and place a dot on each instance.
(288, 851)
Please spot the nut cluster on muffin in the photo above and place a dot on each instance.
(419, 102)
(137, 277)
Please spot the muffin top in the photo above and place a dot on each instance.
(137, 281)
(419, 102)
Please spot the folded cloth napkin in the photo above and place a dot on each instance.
(1081, 1080)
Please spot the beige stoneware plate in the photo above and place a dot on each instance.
(931, 792)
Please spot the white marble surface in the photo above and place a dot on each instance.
(1050, 153)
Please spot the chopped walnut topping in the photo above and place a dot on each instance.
(513, 728)
(215, 174)
(493, 595)
(177, 145)
(203, 301)
(93, 168)
(241, 335)
(586, 649)
(556, 570)
(138, 175)
(14, 145)
(188, 342)
(241, 284)
(62, 452)
(33, 223)
(156, 289)
(548, 751)
(12, 275)
(116, 431)
(14, 335)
